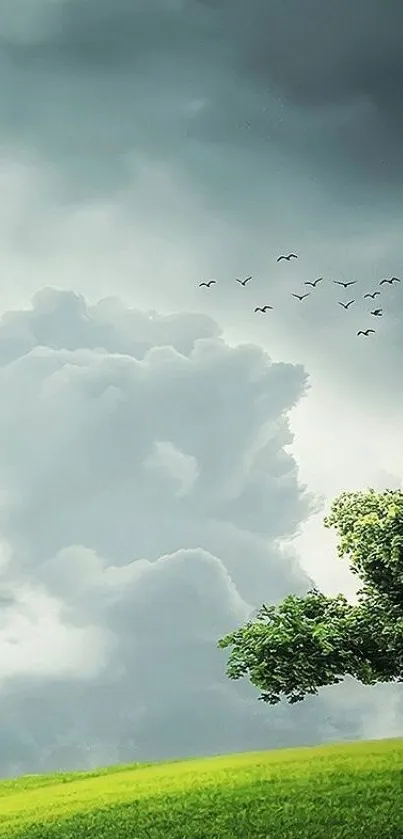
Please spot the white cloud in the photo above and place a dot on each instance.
(339, 447)
(35, 641)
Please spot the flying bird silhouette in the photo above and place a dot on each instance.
(290, 256)
(210, 282)
(315, 283)
(365, 331)
(243, 282)
(345, 285)
(391, 281)
(377, 312)
(375, 294)
(346, 305)
(301, 296)
(263, 308)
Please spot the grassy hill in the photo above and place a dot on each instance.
(348, 790)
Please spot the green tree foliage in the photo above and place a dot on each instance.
(304, 643)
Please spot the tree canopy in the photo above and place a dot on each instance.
(292, 649)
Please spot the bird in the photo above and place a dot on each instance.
(290, 256)
(262, 308)
(345, 285)
(377, 312)
(243, 282)
(375, 294)
(391, 281)
(315, 283)
(346, 305)
(301, 296)
(365, 331)
(210, 282)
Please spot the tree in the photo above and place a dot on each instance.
(304, 643)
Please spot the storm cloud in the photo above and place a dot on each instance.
(164, 452)
(98, 80)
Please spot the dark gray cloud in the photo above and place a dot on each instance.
(99, 80)
(337, 70)
(322, 53)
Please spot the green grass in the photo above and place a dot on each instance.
(350, 790)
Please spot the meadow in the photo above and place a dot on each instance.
(339, 790)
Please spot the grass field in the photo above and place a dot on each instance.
(350, 790)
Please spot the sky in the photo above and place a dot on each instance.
(167, 455)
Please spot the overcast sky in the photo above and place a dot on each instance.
(166, 454)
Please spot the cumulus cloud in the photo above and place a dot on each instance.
(119, 407)
(145, 493)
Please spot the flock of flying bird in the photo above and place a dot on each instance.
(375, 312)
